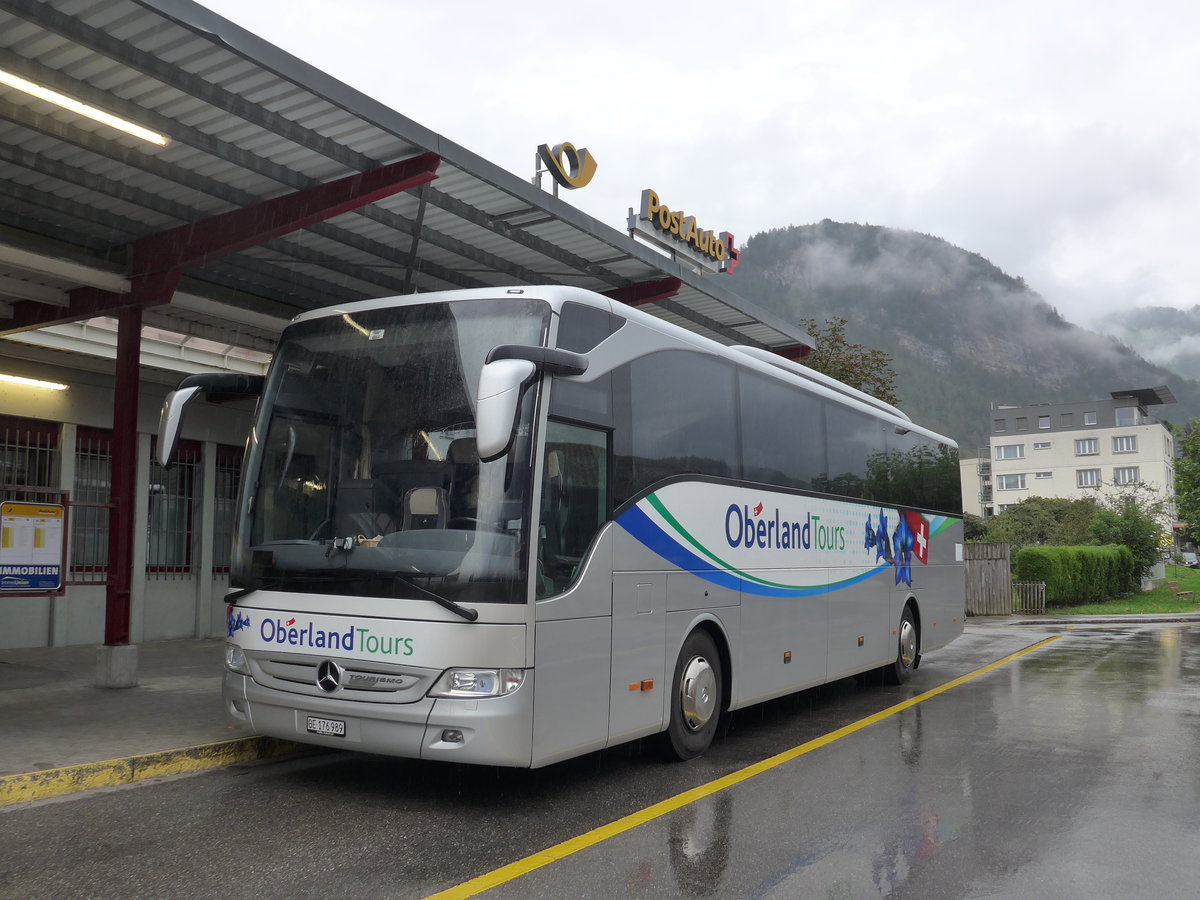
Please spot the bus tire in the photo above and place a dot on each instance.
(907, 647)
(696, 698)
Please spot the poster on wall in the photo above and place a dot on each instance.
(31, 546)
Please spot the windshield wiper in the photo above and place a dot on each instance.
(307, 576)
(469, 614)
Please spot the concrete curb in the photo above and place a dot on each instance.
(30, 786)
(1082, 621)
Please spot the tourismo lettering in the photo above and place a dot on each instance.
(766, 532)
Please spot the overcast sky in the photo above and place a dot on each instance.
(1058, 139)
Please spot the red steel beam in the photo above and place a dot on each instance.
(193, 245)
(646, 292)
(796, 352)
(123, 479)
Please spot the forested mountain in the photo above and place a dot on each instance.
(962, 333)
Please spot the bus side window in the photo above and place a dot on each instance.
(574, 503)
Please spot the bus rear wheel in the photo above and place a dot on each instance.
(696, 698)
(907, 646)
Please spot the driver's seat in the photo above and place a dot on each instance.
(423, 507)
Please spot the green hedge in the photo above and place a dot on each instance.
(1079, 574)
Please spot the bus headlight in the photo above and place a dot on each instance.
(469, 684)
(235, 660)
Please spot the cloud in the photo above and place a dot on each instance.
(1056, 139)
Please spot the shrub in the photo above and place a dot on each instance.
(1079, 574)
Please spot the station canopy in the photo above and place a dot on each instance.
(243, 137)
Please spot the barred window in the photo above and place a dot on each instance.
(169, 532)
(1087, 447)
(229, 472)
(1125, 444)
(1127, 475)
(28, 455)
(91, 506)
(1087, 477)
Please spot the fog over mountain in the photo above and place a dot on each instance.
(1165, 335)
(962, 333)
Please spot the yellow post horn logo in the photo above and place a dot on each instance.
(575, 171)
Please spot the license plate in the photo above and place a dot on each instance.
(333, 727)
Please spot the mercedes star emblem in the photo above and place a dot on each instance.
(329, 676)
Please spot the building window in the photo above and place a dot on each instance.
(1066, 420)
(1087, 478)
(229, 472)
(169, 531)
(1126, 444)
(1043, 421)
(999, 425)
(1022, 423)
(91, 506)
(1089, 418)
(1010, 482)
(1043, 475)
(1087, 447)
(1128, 415)
(1127, 475)
(1010, 451)
(28, 457)
(1041, 445)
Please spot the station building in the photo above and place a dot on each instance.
(174, 191)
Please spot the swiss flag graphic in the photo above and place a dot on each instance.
(920, 531)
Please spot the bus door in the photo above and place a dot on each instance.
(574, 591)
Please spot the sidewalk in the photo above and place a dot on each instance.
(60, 734)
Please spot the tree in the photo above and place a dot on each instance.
(1187, 477)
(860, 367)
(1043, 520)
(1132, 516)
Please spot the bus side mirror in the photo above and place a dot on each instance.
(171, 419)
(496, 402)
(508, 369)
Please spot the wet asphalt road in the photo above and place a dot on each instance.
(1069, 772)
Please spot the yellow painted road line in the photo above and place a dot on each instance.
(515, 870)
(127, 770)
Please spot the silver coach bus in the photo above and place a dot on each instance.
(511, 526)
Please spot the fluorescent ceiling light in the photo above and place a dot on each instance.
(33, 382)
(75, 106)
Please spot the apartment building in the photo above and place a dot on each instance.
(1072, 450)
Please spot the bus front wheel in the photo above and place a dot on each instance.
(696, 697)
(907, 645)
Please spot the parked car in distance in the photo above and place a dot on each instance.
(1190, 560)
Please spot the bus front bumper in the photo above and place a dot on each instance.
(495, 731)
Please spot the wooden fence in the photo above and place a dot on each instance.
(1029, 597)
(989, 582)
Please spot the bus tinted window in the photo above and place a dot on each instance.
(917, 471)
(581, 327)
(783, 432)
(678, 415)
(853, 437)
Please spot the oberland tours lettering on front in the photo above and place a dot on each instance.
(746, 528)
(276, 631)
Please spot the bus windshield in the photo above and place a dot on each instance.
(363, 477)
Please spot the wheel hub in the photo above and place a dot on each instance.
(908, 643)
(697, 693)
